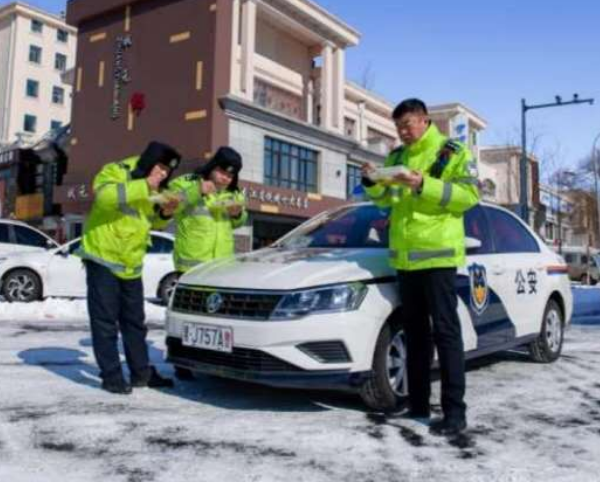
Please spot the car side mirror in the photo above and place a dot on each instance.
(472, 243)
(50, 244)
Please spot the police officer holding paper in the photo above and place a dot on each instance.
(114, 243)
(212, 206)
(427, 244)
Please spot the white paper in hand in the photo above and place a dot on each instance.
(387, 174)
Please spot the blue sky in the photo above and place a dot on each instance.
(485, 54)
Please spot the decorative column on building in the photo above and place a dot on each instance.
(248, 48)
(327, 70)
(310, 100)
(363, 131)
(339, 82)
(235, 48)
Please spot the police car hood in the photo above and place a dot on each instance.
(289, 269)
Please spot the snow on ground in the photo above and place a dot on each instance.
(527, 421)
(63, 310)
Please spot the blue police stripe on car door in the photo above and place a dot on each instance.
(492, 325)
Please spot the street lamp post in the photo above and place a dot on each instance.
(523, 197)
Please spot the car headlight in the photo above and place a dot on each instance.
(347, 297)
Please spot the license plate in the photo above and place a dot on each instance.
(208, 337)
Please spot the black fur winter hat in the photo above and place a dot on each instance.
(156, 153)
(227, 159)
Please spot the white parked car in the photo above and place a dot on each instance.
(19, 237)
(59, 272)
(315, 309)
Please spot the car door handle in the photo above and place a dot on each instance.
(497, 269)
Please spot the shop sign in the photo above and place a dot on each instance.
(266, 196)
(121, 74)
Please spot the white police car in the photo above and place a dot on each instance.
(315, 310)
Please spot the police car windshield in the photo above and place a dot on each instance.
(363, 226)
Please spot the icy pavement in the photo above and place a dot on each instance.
(529, 422)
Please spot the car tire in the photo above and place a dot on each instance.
(388, 384)
(22, 285)
(548, 345)
(166, 287)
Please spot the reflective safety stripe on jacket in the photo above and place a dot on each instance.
(117, 230)
(204, 227)
(426, 228)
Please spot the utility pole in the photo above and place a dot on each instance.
(523, 184)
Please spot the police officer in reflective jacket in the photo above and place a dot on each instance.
(212, 206)
(427, 245)
(115, 240)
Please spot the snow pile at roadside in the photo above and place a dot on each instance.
(63, 310)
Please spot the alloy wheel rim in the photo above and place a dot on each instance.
(21, 288)
(396, 364)
(553, 331)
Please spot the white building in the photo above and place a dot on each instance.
(36, 48)
(559, 208)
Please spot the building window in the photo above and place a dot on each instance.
(62, 36)
(277, 99)
(290, 166)
(55, 125)
(30, 124)
(35, 54)
(33, 88)
(58, 95)
(37, 26)
(549, 228)
(350, 127)
(60, 62)
(353, 179)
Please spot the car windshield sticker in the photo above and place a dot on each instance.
(479, 288)
(520, 282)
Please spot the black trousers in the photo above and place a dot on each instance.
(429, 303)
(115, 304)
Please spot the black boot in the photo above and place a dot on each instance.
(154, 380)
(118, 386)
(416, 414)
(448, 426)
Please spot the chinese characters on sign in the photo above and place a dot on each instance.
(292, 201)
(523, 282)
(121, 74)
(79, 192)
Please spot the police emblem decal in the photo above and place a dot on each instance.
(479, 288)
(213, 303)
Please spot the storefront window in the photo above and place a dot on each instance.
(353, 179)
(290, 166)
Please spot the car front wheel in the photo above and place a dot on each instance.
(22, 285)
(548, 345)
(166, 287)
(388, 383)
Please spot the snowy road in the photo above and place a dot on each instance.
(528, 422)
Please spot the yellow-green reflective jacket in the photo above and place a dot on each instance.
(117, 230)
(426, 228)
(204, 227)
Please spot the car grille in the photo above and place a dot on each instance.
(326, 351)
(240, 359)
(234, 304)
